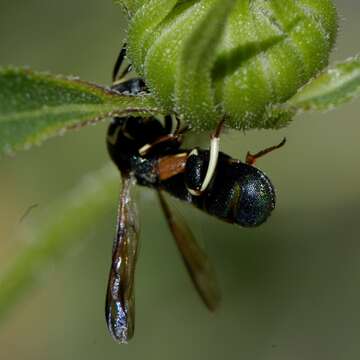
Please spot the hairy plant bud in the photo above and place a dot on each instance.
(241, 59)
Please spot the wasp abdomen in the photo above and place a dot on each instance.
(240, 194)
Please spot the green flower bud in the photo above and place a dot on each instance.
(241, 59)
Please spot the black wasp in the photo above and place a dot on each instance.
(148, 152)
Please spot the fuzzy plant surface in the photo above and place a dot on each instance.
(235, 58)
(255, 62)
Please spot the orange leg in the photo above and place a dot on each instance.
(174, 136)
(251, 159)
(218, 129)
(146, 149)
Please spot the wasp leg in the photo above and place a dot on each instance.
(117, 74)
(147, 148)
(170, 120)
(173, 136)
(251, 159)
(168, 124)
(214, 155)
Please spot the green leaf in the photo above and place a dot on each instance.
(35, 106)
(330, 89)
(63, 226)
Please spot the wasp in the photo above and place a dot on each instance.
(148, 152)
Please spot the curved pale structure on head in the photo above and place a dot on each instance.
(238, 58)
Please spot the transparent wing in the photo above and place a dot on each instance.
(120, 302)
(196, 261)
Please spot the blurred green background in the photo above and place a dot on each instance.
(291, 288)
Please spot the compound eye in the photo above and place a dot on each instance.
(195, 171)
